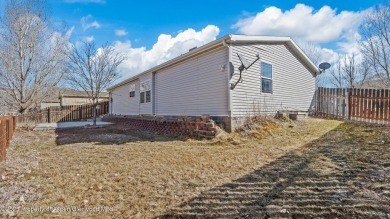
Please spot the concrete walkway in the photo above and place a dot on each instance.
(60, 125)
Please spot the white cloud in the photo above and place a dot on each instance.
(351, 44)
(89, 39)
(167, 47)
(86, 24)
(329, 55)
(324, 25)
(85, 1)
(120, 32)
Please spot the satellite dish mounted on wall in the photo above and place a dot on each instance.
(323, 66)
(244, 65)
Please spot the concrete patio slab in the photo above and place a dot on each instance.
(60, 125)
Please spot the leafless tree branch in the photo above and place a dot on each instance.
(32, 54)
(375, 42)
(93, 69)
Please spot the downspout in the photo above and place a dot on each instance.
(139, 96)
(229, 69)
(154, 94)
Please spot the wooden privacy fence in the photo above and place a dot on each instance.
(332, 102)
(63, 114)
(7, 129)
(366, 105)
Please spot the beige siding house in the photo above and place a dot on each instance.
(200, 82)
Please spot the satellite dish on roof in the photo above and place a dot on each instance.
(323, 66)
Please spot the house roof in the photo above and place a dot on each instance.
(226, 40)
(375, 82)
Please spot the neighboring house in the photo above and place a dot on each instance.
(51, 100)
(199, 82)
(67, 97)
(374, 82)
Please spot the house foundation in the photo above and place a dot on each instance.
(197, 127)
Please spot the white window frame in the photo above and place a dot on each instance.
(267, 78)
(132, 89)
(145, 86)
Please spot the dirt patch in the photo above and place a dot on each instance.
(139, 174)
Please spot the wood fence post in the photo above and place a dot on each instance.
(14, 122)
(48, 115)
(7, 133)
(2, 142)
(349, 103)
(80, 112)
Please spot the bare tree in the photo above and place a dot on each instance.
(314, 53)
(355, 74)
(93, 69)
(375, 42)
(32, 54)
(348, 72)
(336, 74)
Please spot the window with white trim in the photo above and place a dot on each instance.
(145, 92)
(132, 90)
(266, 77)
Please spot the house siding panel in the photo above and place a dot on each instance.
(194, 87)
(293, 84)
(122, 104)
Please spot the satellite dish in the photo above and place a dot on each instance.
(243, 60)
(323, 66)
(244, 65)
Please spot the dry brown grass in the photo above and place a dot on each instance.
(140, 175)
(343, 174)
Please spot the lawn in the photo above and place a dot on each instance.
(314, 168)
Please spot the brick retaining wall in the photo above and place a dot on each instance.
(202, 127)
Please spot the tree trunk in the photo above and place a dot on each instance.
(94, 116)
(94, 111)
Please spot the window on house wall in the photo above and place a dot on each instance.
(147, 98)
(266, 77)
(132, 90)
(145, 92)
(142, 97)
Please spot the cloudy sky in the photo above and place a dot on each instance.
(151, 32)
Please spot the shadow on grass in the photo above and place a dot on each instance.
(344, 174)
(109, 135)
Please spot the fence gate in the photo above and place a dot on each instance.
(367, 105)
